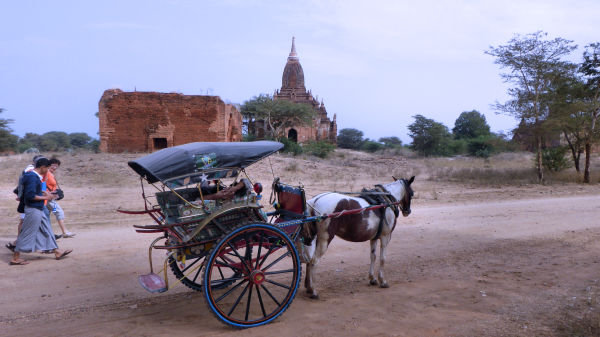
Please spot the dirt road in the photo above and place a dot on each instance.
(527, 267)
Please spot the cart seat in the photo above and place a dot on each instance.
(291, 204)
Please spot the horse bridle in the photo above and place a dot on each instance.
(409, 194)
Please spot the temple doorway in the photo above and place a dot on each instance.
(293, 135)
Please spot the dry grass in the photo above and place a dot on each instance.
(346, 169)
(581, 317)
(77, 168)
(503, 169)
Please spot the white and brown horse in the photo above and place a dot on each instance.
(366, 226)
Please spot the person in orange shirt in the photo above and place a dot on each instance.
(53, 205)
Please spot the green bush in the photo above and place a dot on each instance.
(289, 146)
(554, 159)
(371, 146)
(320, 149)
(481, 146)
(457, 146)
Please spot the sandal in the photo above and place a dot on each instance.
(18, 263)
(10, 246)
(65, 253)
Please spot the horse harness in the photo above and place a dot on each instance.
(378, 196)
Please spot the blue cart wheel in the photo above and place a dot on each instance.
(263, 273)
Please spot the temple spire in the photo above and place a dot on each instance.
(293, 54)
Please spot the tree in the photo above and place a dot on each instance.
(567, 111)
(531, 63)
(470, 124)
(371, 146)
(429, 137)
(590, 69)
(350, 138)
(79, 139)
(54, 141)
(277, 114)
(8, 141)
(390, 141)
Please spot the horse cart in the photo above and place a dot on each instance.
(245, 261)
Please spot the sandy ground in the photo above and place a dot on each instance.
(469, 261)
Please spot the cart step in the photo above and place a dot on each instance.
(153, 283)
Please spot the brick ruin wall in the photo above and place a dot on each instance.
(148, 121)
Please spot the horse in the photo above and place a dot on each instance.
(372, 225)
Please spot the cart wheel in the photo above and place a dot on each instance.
(193, 281)
(264, 274)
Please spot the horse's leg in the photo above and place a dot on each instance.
(372, 280)
(385, 239)
(307, 278)
(321, 247)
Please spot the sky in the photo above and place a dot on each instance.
(374, 63)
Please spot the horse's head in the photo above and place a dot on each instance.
(406, 196)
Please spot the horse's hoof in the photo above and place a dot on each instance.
(384, 285)
(314, 296)
(373, 283)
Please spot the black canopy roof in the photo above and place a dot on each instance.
(214, 159)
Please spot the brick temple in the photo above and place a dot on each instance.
(149, 121)
(293, 89)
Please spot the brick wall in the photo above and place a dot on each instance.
(148, 121)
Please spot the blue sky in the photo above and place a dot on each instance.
(374, 63)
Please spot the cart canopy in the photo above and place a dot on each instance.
(200, 161)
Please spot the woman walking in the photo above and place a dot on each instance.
(36, 234)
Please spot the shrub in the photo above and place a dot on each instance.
(554, 160)
(320, 149)
(457, 146)
(480, 147)
(289, 146)
(350, 138)
(371, 146)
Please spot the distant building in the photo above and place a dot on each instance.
(524, 135)
(293, 89)
(150, 121)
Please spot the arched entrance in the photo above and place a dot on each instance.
(293, 135)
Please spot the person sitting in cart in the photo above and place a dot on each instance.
(215, 192)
